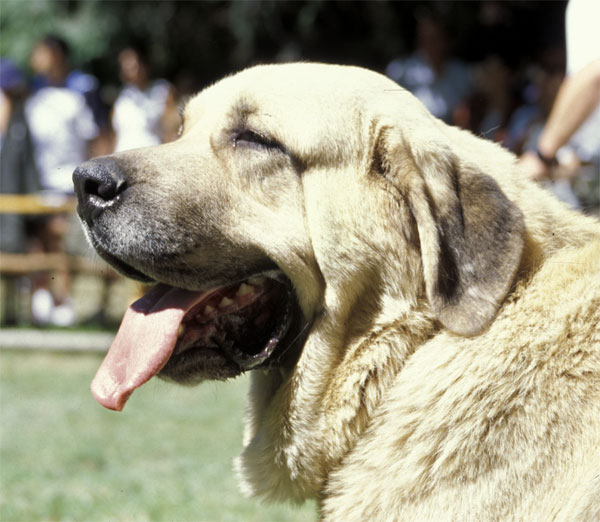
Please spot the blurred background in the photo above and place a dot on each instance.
(85, 78)
(200, 41)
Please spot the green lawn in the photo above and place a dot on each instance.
(167, 457)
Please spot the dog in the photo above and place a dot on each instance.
(421, 322)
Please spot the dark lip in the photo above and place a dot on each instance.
(198, 364)
(120, 266)
(175, 276)
(125, 269)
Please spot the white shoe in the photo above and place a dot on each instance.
(63, 315)
(42, 305)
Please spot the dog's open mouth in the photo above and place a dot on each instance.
(190, 336)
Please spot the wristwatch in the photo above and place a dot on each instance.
(549, 162)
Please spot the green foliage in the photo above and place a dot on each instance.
(168, 456)
(88, 28)
(204, 40)
(210, 38)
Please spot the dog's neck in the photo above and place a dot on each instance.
(301, 425)
(286, 453)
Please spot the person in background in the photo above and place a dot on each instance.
(440, 81)
(61, 122)
(143, 112)
(50, 62)
(527, 121)
(62, 127)
(487, 110)
(575, 115)
(18, 174)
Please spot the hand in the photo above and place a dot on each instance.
(532, 166)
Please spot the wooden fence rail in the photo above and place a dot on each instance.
(23, 264)
(35, 204)
(15, 265)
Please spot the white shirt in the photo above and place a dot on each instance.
(583, 47)
(137, 115)
(61, 125)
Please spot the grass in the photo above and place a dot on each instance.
(167, 457)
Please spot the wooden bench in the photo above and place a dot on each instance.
(13, 266)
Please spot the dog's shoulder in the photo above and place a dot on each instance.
(508, 415)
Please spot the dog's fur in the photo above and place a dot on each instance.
(452, 368)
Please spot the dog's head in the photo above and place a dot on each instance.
(294, 191)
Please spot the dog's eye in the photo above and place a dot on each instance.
(254, 140)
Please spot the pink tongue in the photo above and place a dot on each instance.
(145, 341)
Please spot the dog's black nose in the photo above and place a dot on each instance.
(98, 185)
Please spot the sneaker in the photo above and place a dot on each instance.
(42, 305)
(63, 315)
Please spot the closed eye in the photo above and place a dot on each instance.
(254, 140)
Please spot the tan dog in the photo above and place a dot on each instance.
(422, 322)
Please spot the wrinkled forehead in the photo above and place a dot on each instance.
(292, 98)
(323, 114)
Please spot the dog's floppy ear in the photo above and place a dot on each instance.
(471, 236)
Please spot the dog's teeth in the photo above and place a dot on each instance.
(225, 302)
(208, 309)
(256, 281)
(244, 289)
(181, 330)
